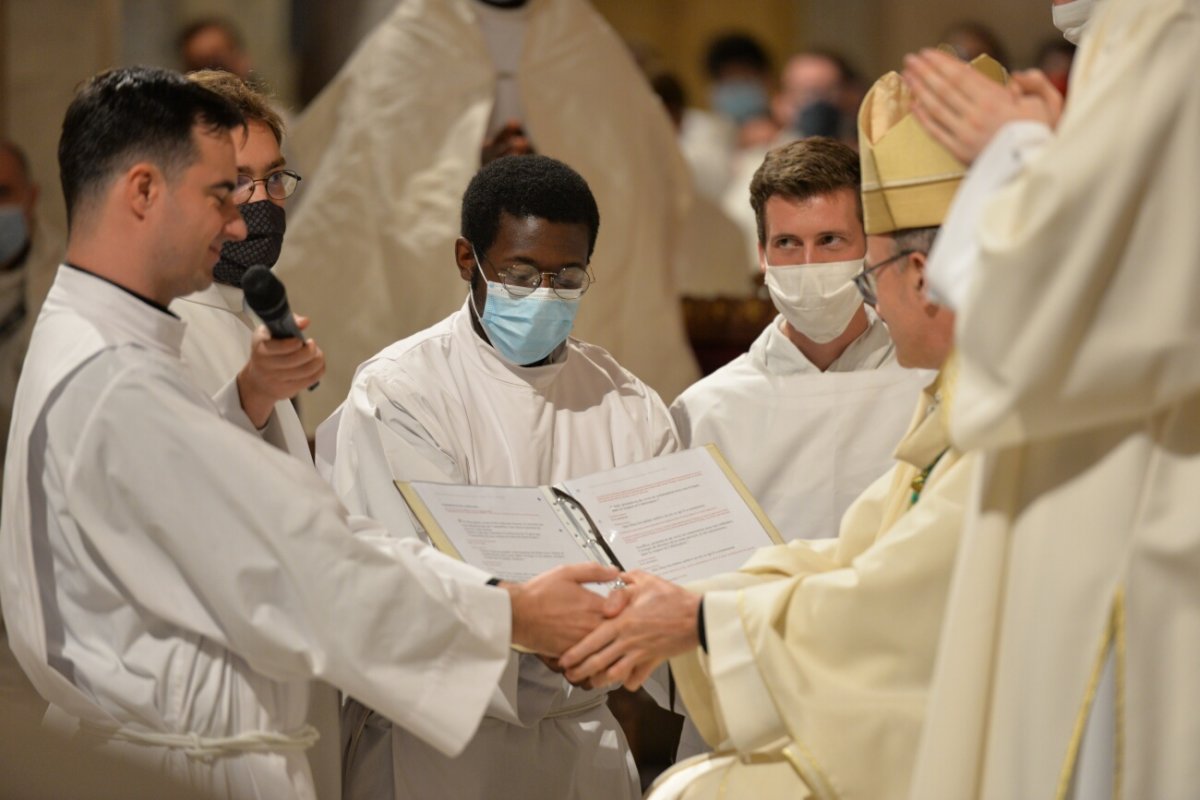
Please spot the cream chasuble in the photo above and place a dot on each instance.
(389, 146)
(820, 653)
(1080, 346)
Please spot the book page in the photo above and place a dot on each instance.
(677, 516)
(512, 532)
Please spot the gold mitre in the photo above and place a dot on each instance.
(908, 179)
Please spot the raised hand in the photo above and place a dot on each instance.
(963, 109)
(659, 620)
(278, 369)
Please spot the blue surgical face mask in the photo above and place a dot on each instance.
(740, 100)
(14, 233)
(524, 330)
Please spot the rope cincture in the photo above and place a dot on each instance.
(206, 748)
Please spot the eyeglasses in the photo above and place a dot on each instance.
(278, 185)
(865, 280)
(521, 280)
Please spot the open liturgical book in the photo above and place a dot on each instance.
(683, 517)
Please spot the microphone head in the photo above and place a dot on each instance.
(264, 293)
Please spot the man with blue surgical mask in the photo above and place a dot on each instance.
(499, 393)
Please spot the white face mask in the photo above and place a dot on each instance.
(1072, 18)
(818, 300)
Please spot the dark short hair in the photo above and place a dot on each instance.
(735, 48)
(526, 186)
(126, 115)
(801, 170)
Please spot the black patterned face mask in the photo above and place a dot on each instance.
(265, 224)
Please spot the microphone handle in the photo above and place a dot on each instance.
(285, 327)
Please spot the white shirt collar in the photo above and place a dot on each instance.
(118, 313)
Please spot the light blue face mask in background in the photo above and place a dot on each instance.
(740, 99)
(14, 233)
(524, 330)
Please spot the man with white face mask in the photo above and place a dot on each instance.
(808, 668)
(1068, 655)
(499, 393)
(809, 416)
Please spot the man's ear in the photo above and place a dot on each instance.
(142, 188)
(464, 257)
(916, 263)
(762, 259)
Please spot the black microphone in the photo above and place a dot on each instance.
(268, 299)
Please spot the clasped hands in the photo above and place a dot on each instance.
(963, 109)
(596, 641)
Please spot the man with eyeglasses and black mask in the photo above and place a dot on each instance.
(222, 341)
(499, 393)
(226, 343)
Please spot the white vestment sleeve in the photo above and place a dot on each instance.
(753, 723)
(229, 402)
(1048, 340)
(276, 577)
(376, 443)
(955, 254)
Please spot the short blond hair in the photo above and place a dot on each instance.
(254, 104)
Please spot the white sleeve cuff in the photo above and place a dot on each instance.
(747, 707)
(229, 404)
(955, 254)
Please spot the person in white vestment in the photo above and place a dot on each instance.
(27, 255)
(815, 658)
(1068, 659)
(221, 326)
(809, 417)
(221, 335)
(390, 144)
(500, 393)
(171, 583)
